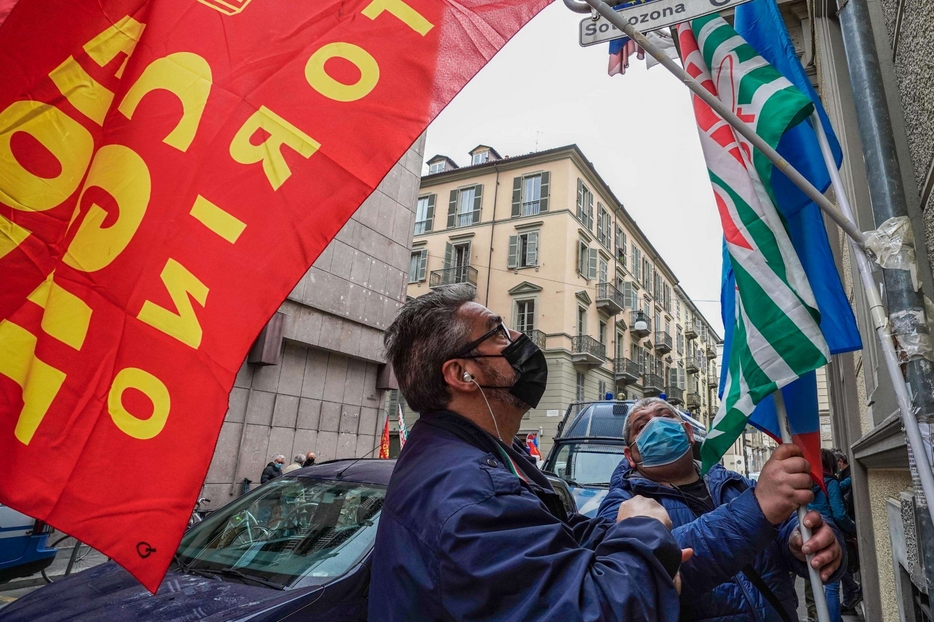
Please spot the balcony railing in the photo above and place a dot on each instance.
(710, 351)
(537, 337)
(675, 395)
(696, 363)
(627, 371)
(653, 384)
(453, 276)
(609, 299)
(663, 342)
(690, 330)
(693, 400)
(713, 380)
(640, 324)
(587, 350)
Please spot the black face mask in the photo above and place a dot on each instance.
(531, 370)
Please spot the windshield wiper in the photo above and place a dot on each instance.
(188, 570)
(233, 572)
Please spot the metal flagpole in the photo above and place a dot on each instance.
(817, 586)
(881, 325)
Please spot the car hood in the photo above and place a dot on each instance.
(110, 593)
(587, 499)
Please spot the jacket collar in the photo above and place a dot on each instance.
(716, 479)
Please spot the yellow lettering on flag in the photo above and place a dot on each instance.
(184, 324)
(217, 220)
(406, 14)
(66, 316)
(121, 37)
(185, 75)
(152, 388)
(11, 236)
(321, 81)
(89, 96)
(269, 152)
(62, 136)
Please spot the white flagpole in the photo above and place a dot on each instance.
(817, 586)
(881, 325)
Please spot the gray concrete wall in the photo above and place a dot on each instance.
(322, 396)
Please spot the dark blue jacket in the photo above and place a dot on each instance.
(835, 508)
(462, 537)
(725, 540)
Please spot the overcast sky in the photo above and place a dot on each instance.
(543, 90)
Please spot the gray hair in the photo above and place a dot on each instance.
(427, 332)
(299, 458)
(645, 402)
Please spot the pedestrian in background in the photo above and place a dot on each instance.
(831, 505)
(309, 459)
(298, 461)
(852, 592)
(273, 469)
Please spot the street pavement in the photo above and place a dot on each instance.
(12, 590)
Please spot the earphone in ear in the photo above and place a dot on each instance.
(468, 377)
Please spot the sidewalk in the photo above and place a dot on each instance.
(803, 612)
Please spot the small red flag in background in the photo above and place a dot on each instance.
(384, 441)
(168, 171)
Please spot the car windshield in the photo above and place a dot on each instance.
(600, 419)
(586, 463)
(290, 532)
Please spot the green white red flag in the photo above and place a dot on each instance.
(777, 336)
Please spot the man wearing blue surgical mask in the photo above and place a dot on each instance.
(744, 535)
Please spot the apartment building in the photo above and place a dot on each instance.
(551, 249)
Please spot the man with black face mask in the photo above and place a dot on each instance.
(744, 535)
(470, 529)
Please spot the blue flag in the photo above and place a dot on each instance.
(760, 24)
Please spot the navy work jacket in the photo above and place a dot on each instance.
(735, 534)
(464, 536)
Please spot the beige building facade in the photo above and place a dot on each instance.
(551, 249)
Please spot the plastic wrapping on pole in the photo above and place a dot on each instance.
(920, 463)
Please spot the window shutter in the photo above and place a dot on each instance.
(452, 210)
(477, 202)
(582, 259)
(430, 218)
(448, 256)
(531, 257)
(580, 202)
(589, 211)
(513, 261)
(600, 224)
(546, 180)
(592, 264)
(422, 265)
(517, 197)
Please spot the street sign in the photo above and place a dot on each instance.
(649, 15)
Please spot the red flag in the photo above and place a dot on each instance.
(384, 441)
(168, 171)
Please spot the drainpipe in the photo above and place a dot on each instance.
(887, 194)
(489, 260)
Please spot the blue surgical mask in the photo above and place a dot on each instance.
(662, 442)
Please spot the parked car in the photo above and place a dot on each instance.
(586, 452)
(24, 546)
(299, 546)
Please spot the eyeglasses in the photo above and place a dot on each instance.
(499, 328)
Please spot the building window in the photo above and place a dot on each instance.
(647, 275)
(586, 260)
(436, 167)
(621, 244)
(629, 295)
(523, 250)
(636, 263)
(601, 390)
(464, 206)
(530, 194)
(604, 272)
(525, 316)
(418, 265)
(666, 297)
(580, 387)
(602, 333)
(424, 214)
(457, 263)
(680, 341)
(584, 205)
(480, 158)
(604, 226)
(581, 321)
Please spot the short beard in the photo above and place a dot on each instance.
(503, 396)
